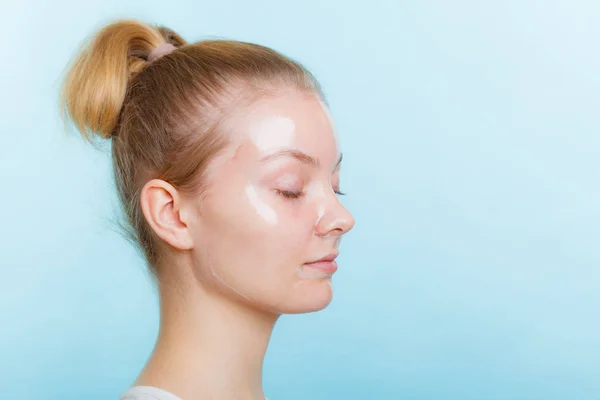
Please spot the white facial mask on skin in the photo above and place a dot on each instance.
(267, 137)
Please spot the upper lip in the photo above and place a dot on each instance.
(328, 257)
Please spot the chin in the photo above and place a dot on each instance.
(308, 296)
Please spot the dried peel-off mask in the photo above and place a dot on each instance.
(288, 180)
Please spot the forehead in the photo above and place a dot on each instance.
(293, 120)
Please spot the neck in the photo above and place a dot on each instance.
(209, 346)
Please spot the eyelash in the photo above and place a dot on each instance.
(295, 195)
(290, 194)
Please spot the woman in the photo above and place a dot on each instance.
(227, 166)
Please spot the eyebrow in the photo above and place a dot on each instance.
(298, 155)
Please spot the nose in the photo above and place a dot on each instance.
(334, 219)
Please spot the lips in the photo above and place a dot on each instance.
(328, 257)
(325, 264)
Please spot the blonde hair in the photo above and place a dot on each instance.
(166, 117)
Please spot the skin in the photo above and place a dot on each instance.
(238, 250)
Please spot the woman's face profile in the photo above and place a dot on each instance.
(272, 207)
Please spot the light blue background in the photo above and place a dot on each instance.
(471, 139)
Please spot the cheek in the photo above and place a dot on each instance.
(281, 228)
(294, 230)
(257, 220)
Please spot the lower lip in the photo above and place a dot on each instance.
(328, 267)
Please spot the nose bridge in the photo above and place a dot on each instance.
(333, 219)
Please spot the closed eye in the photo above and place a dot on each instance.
(290, 194)
(297, 194)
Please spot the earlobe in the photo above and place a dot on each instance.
(162, 207)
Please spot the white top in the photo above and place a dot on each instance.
(147, 393)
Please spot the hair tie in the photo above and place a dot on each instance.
(160, 51)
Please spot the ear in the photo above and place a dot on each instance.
(162, 207)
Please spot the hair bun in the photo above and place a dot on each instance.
(94, 89)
